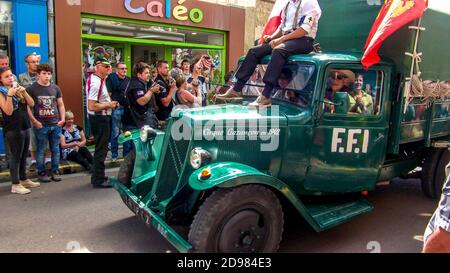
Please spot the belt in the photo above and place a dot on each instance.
(290, 31)
(99, 115)
(306, 37)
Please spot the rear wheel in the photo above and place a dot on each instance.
(433, 172)
(126, 169)
(241, 220)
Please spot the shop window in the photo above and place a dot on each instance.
(6, 24)
(149, 32)
(353, 91)
(92, 49)
(215, 61)
(147, 54)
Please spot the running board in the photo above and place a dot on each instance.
(332, 214)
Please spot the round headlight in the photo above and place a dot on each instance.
(199, 158)
(144, 133)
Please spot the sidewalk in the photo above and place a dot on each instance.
(65, 167)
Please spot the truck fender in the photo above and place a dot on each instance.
(135, 135)
(232, 174)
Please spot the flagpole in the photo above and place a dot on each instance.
(415, 60)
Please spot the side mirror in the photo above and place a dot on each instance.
(341, 102)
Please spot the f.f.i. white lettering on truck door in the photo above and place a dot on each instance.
(353, 144)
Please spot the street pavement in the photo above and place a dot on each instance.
(71, 216)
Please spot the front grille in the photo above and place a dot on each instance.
(177, 151)
(171, 168)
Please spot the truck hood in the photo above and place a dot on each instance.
(218, 113)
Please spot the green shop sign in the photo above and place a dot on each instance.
(157, 9)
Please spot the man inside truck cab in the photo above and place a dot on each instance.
(289, 95)
(338, 81)
(360, 101)
(295, 35)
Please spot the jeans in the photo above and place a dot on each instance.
(280, 54)
(116, 126)
(18, 144)
(52, 135)
(101, 129)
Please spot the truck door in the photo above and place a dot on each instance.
(349, 139)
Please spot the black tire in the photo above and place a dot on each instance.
(440, 176)
(243, 219)
(126, 169)
(429, 170)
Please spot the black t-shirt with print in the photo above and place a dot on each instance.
(45, 102)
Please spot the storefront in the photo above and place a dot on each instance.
(23, 30)
(142, 30)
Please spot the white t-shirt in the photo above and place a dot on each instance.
(93, 85)
(308, 18)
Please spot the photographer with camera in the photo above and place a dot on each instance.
(139, 95)
(100, 107)
(197, 77)
(167, 88)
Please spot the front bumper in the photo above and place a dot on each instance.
(150, 218)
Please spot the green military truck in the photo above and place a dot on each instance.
(231, 173)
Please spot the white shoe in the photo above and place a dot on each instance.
(30, 184)
(19, 189)
(261, 102)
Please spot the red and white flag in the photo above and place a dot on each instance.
(393, 15)
(274, 20)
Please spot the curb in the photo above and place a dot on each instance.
(65, 167)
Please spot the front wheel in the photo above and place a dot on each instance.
(240, 220)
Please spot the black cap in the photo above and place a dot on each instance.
(101, 60)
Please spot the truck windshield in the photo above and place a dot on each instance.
(295, 84)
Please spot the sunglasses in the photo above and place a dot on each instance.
(339, 77)
(106, 66)
(123, 68)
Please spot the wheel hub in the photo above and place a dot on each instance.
(245, 231)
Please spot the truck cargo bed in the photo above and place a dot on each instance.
(419, 119)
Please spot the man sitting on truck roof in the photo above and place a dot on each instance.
(295, 35)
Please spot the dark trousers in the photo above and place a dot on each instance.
(82, 157)
(18, 144)
(280, 54)
(101, 129)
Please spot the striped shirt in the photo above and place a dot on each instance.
(308, 17)
(441, 217)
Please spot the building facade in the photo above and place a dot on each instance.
(256, 14)
(256, 17)
(141, 30)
